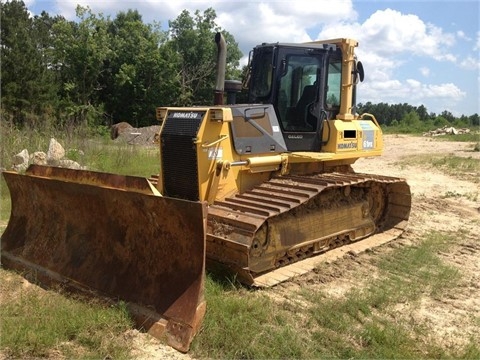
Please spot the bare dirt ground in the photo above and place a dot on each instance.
(441, 202)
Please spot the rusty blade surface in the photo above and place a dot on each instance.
(121, 243)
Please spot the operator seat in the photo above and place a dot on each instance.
(301, 113)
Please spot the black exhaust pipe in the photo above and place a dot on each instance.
(221, 64)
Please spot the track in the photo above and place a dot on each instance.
(277, 230)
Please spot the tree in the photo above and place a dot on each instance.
(135, 70)
(193, 50)
(441, 121)
(474, 120)
(80, 50)
(448, 115)
(24, 85)
(411, 120)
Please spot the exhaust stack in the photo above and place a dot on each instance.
(221, 64)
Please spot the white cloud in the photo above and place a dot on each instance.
(279, 21)
(461, 35)
(411, 91)
(389, 31)
(470, 63)
(425, 71)
(477, 44)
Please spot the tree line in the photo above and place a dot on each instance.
(415, 118)
(99, 71)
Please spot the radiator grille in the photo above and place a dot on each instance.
(179, 155)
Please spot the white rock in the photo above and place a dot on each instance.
(21, 158)
(55, 151)
(39, 158)
(70, 164)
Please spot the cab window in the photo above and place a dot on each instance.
(262, 74)
(334, 82)
(298, 92)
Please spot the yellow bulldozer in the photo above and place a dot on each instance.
(260, 190)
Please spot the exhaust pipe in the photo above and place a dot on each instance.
(221, 64)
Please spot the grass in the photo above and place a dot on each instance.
(368, 316)
(465, 168)
(98, 154)
(39, 324)
(473, 136)
(364, 322)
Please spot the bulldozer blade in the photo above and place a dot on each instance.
(110, 236)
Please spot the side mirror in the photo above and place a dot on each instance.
(358, 72)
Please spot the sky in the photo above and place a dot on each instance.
(416, 52)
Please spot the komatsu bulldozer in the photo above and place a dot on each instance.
(260, 190)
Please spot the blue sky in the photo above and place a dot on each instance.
(417, 52)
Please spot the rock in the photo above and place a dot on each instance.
(451, 130)
(119, 128)
(55, 152)
(39, 158)
(21, 158)
(19, 168)
(70, 164)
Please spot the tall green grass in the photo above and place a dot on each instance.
(95, 152)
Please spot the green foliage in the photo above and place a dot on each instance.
(191, 39)
(134, 73)
(405, 118)
(26, 86)
(440, 121)
(96, 71)
(80, 50)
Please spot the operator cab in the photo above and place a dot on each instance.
(303, 82)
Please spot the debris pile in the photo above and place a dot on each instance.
(55, 156)
(446, 130)
(136, 136)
